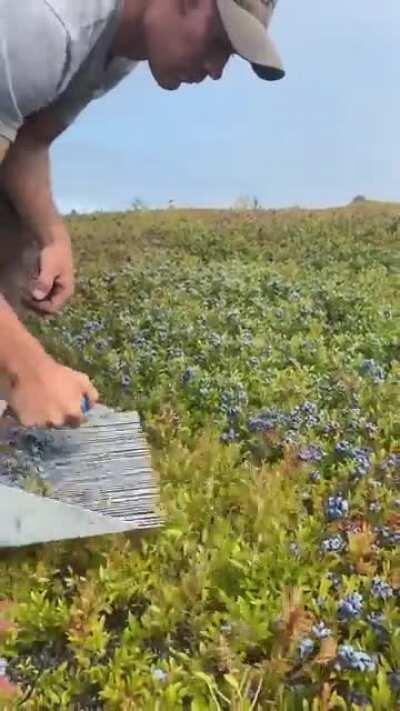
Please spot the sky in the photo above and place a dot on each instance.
(325, 133)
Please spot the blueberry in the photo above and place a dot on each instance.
(321, 631)
(335, 580)
(159, 674)
(372, 369)
(306, 647)
(333, 544)
(349, 658)
(311, 453)
(229, 436)
(354, 697)
(314, 476)
(187, 375)
(350, 607)
(294, 548)
(394, 680)
(336, 508)
(126, 381)
(381, 589)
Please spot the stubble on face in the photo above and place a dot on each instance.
(176, 37)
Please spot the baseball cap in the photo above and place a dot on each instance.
(246, 22)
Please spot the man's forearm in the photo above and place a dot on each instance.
(18, 348)
(25, 177)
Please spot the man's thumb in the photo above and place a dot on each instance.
(41, 289)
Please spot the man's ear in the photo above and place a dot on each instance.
(185, 6)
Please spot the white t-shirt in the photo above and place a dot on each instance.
(55, 53)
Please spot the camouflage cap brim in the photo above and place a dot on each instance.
(246, 23)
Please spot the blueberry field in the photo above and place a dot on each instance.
(262, 351)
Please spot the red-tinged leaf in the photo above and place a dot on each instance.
(328, 651)
(6, 626)
(7, 688)
(295, 621)
(360, 543)
(394, 579)
(365, 567)
(326, 695)
(394, 521)
(6, 605)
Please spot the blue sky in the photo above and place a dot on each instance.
(328, 131)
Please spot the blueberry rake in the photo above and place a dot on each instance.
(64, 483)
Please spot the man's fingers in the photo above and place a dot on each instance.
(40, 307)
(92, 394)
(60, 295)
(52, 304)
(41, 290)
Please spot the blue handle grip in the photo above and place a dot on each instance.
(85, 404)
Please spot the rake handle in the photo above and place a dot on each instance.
(85, 405)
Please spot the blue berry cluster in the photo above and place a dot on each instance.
(333, 544)
(371, 369)
(321, 631)
(187, 375)
(294, 548)
(391, 462)
(335, 579)
(159, 674)
(377, 623)
(380, 588)
(301, 417)
(336, 508)
(306, 648)
(387, 536)
(350, 607)
(228, 436)
(126, 380)
(89, 329)
(311, 453)
(359, 699)
(350, 658)
(359, 455)
(394, 680)
(314, 476)
(374, 507)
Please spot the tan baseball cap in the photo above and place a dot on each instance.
(246, 22)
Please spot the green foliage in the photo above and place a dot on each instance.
(262, 352)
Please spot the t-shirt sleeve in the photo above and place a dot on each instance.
(76, 97)
(34, 47)
(88, 85)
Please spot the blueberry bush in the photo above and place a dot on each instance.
(262, 351)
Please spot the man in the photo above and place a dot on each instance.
(55, 57)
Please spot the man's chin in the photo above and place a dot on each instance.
(169, 84)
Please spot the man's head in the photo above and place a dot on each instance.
(186, 41)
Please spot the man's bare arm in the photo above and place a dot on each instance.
(25, 175)
(40, 391)
(17, 346)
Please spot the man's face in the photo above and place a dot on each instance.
(186, 42)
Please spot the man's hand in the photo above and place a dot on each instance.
(49, 395)
(25, 178)
(39, 391)
(55, 281)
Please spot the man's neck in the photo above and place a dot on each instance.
(129, 38)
